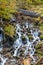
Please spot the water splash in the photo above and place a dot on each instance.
(3, 60)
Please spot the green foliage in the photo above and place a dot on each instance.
(24, 4)
(7, 7)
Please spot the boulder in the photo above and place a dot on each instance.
(28, 13)
(27, 61)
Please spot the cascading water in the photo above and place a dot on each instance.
(26, 24)
(3, 60)
(1, 47)
(29, 45)
(18, 42)
(1, 39)
(35, 34)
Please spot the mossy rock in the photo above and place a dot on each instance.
(30, 36)
(9, 30)
(23, 38)
(38, 46)
(41, 37)
(38, 50)
(28, 31)
(39, 53)
(41, 27)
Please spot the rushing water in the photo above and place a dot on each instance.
(29, 44)
(1, 39)
(18, 43)
(2, 60)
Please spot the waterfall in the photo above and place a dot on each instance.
(18, 42)
(29, 45)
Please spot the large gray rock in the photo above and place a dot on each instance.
(28, 13)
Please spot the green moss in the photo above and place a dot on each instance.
(30, 36)
(9, 30)
(41, 27)
(38, 52)
(38, 46)
(41, 37)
